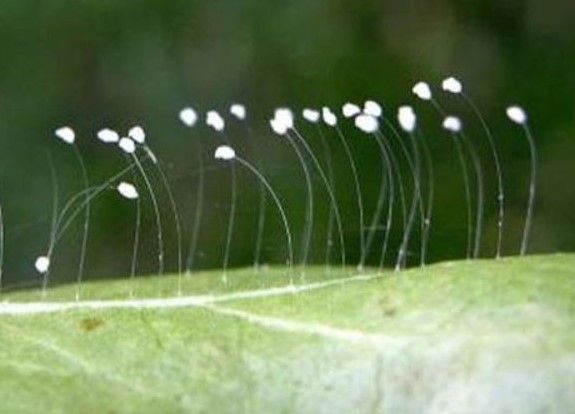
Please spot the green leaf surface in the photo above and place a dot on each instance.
(456, 337)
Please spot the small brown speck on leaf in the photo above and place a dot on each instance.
(389, 306)
(89, 324)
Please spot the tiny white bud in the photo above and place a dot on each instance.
(214, 120)
(310, 115)
(224, 152)
(517, 114)
(239, 111)
(284, 116)
(189, 117)
(127, 190)
(349, 110)
(452, 124)
(367, 123)
(452, 85)
(42, 264)
(66, 134)
(372, 108)
(127, 145)
(422, 91)
(407, 119)
(328, 116)
(108, 136)
(278, 127)
(137, 134)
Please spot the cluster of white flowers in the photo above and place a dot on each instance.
(365, 117)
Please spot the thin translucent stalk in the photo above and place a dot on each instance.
(174, 208)
(397, 180)
(59, 229)
(86, 223)
(430, 195)
(331, 214)
(375, 220)
(231, 218)
(54, 221)
(60, 223)
(498, 172)
(391, 199)
(358, 193)
(402, 253)
(156, 214)
(307, 234)
(136, 244)
(88, 194)
(480, 195)
(479, 181)
(463, 165)
(281, 210)
(532, 189)
(329, 189)
(261, 227)
(409, 161)
(199, 210)
(261, 205)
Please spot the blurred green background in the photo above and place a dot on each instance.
(101, 63)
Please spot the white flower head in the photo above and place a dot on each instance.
(311, 115)
(66, 134)
(108, 136)
(367, 123)
(372, 108)
(137, 134)
(349, 110)
(328, 116)
(452, 85)
(188, 116)
(239, 111)
(407, 119)
(284, 116)
(224, 152)
(127, 190)
(278, 127)
(517, 114)
(127, 145)
(215, 120)
(422, 91)
(42, 264)
(452, 124)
